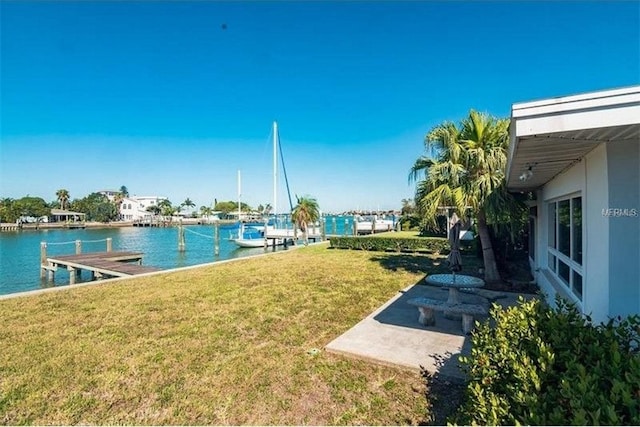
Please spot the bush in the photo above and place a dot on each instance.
(429, 228)
(410, 223)
(405, 244)
(546, 366)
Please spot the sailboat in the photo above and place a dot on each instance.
(250, 237)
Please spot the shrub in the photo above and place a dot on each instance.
(405, 244)
(546, 366)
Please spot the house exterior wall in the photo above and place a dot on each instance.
(587, 223)
(623, 159)
(135, 208)
(596, 237)
(607, 178)
(571, 182)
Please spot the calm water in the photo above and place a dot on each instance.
(20, 251)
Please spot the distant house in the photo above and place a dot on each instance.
(61, 215)
(581, 156)
(110, 194)
(134, 208)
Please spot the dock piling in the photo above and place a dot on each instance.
(43, 259)
(72, 275)
(181, 242)
(216, 239)
(109, 244)
(78, 247)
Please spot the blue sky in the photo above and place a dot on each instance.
(172, 98)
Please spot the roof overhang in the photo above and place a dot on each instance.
(549, 136)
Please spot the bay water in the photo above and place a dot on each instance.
(20, 250)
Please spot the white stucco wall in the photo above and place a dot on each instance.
(569, 183)
(588, 179)
(623, 177)
(608, 180)
(596, 236)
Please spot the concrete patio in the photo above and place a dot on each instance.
(391, 335)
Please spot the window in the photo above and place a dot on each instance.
(565, 242)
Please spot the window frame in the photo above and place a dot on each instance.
(555, 256)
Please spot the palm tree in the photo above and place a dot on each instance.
(306, 211)
(167, 209)
(205, 211)
(63, 197)
(465, 169)
(188, 203)
(407, 207)
(154, 209)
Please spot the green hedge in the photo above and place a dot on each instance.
(543, 366)
(404, 244)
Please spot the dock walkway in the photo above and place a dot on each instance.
(285, 235)
(100, 264)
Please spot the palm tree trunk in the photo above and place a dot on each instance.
(491, 274)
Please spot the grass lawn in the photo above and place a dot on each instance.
(224, 344)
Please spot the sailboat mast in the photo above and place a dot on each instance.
(239, 191)
(275, 169)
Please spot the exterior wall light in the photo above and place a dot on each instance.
(526, 175)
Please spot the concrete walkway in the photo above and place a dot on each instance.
(391, 335)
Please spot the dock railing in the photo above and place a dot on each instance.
(47, 266)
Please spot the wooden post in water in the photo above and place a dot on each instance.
(373, 225)
(73, 273)
(109, 244)
(264, 234)
(181, 244)
(334, 227)
(216, 239)
(43, 259)
(346, 224)
(355, 226)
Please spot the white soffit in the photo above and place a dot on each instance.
(551, 135)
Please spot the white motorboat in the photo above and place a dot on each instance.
(374, 224)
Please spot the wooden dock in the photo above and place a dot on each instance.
(10, 226)
(288, 236)
(100, 264)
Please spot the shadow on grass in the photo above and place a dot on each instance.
(424, 263)
(412, 263)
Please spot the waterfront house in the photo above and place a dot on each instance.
(134, 208)
(62, 215)
(580, 155)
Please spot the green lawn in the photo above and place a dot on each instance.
(225, 344)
